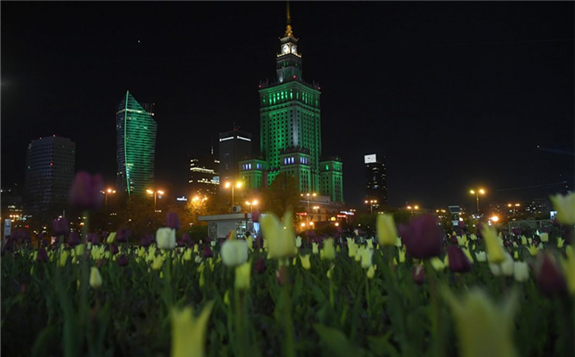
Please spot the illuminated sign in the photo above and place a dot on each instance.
(225, 139)
(181, 198)
(369, 158)
(242, 138)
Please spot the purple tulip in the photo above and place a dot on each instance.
(42, 255)
(93, 238)
(146, 240)
(73, 239)
(423, 237)
(453, 239)
(60, 226)
(185, 240)
(458, 261)
(549, 276)
(122, 235)
(172, 220)
(207, 252)
(516, 231)
(260, 266)
(86, 190)
(418, 274)
(122, 260)
(114, 249)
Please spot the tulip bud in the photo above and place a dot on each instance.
(42, 255)
(123, 235)
(172, 220)
(418, 274)
(122, 260)
(520, 271)
(423, 237)
(328, 249)
(93, 238)
(279, 235)
(458, 261)
(315, 248)
(207, 252)
(166, 238)
(495, 253)
(73, 239)
(158, 262)
(234, 252)
(549, 276)
(95, 278)
(188, 332)
(298, 242)
(85, 193)
(305, 263)
(366, 255)
(371, 272)
(60, 226)
(386, 231)
(242, 281)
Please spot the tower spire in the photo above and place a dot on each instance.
(289, 32)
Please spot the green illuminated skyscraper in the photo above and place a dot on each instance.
(136, 146)
(290, 124)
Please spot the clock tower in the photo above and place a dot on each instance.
(288, 61)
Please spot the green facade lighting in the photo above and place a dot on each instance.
(136, 147)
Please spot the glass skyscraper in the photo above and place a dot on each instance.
(135, 146)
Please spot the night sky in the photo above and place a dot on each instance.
(454, 94)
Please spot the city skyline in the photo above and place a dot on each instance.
(450, 110)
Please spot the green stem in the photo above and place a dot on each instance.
(239, 322)
(434, 302)
(367, 296)
(289, 338)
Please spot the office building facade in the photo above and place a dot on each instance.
(204, 175)
(375, 179)
(136, 132)
(49, 174)
(234, 146)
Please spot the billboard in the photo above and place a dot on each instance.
(367, 159)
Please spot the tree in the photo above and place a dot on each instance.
(282, 195)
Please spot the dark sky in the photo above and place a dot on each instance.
(454, 94)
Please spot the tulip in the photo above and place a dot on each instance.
(111, 238)
(533, 250)
(371, 271)
(565, 207)
(242, 281)
(418, 273)
(330, 271)
(93, 238)
(458, 261)
(95, 278)
(560, 243)
(366, 255)
(166, 238)
(207, 252)
(328, 249)
(483, 328)
(172, 220)
(544, 237)
(123, 235)
(494, 249)
(234, 252)
(423, 237)
(189, 333)
(369, 243)
(42, 255)
(279, 235)
(146, 240)
(64, 257)
(73, 239)
(315, 248)
(505, 268)
(398, 242)
(60, 226)
(462, 240)
(85, 192)
(549, 276)
(437, 264)
(401, 254)
(305, 261)
(158, 262)
(122, 260)
(114, 249)
(298, 242)
(568, 266)
(520, 271)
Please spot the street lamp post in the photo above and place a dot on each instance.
(371, 203)
(476, 193)
(233, 186)
(155, 193)
(106, 193)
(252, 204)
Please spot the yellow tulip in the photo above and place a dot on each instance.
(298, 242)
(437, 263)
(328, 249)
(366, 255)
(351, 248)
(371, 271)
(398, 242)
(568, 266)
(533, 250)
(560, 242)
(157, 263)
(242, 281)
(523, 240)
(472, 237)
(64, 258)
(565, 207)
(189, 333)
(305, 263)
(483, 328)
(330, 271)
(369, 243)
(481, 257)
(315, 248)
(494, 249)
(95, 278)
(187, 254)
(461, 240)
(279, 235)
(386, 231)
(544, 237)
(111, 238)
(402, 255)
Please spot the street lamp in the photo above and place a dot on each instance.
(108, 192)
(477, 193)
(233, 186)
(252, 204)
(371, 204)
(155, 193)
(313, 194)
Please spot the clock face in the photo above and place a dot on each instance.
(293, 49)
(286, 49)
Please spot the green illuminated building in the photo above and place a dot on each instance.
(290, 124)
(136, 146)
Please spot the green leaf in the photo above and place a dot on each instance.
(44, 341)
(337, 342)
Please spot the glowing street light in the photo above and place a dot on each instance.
(155, 193)
(477, 193)
(252, 204)
(109, 191)
(371, 204)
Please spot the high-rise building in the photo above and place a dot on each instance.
(135, 146)
(234, 146)
(375, 179)
(204, 176)
(290, 124)
(49, 174)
